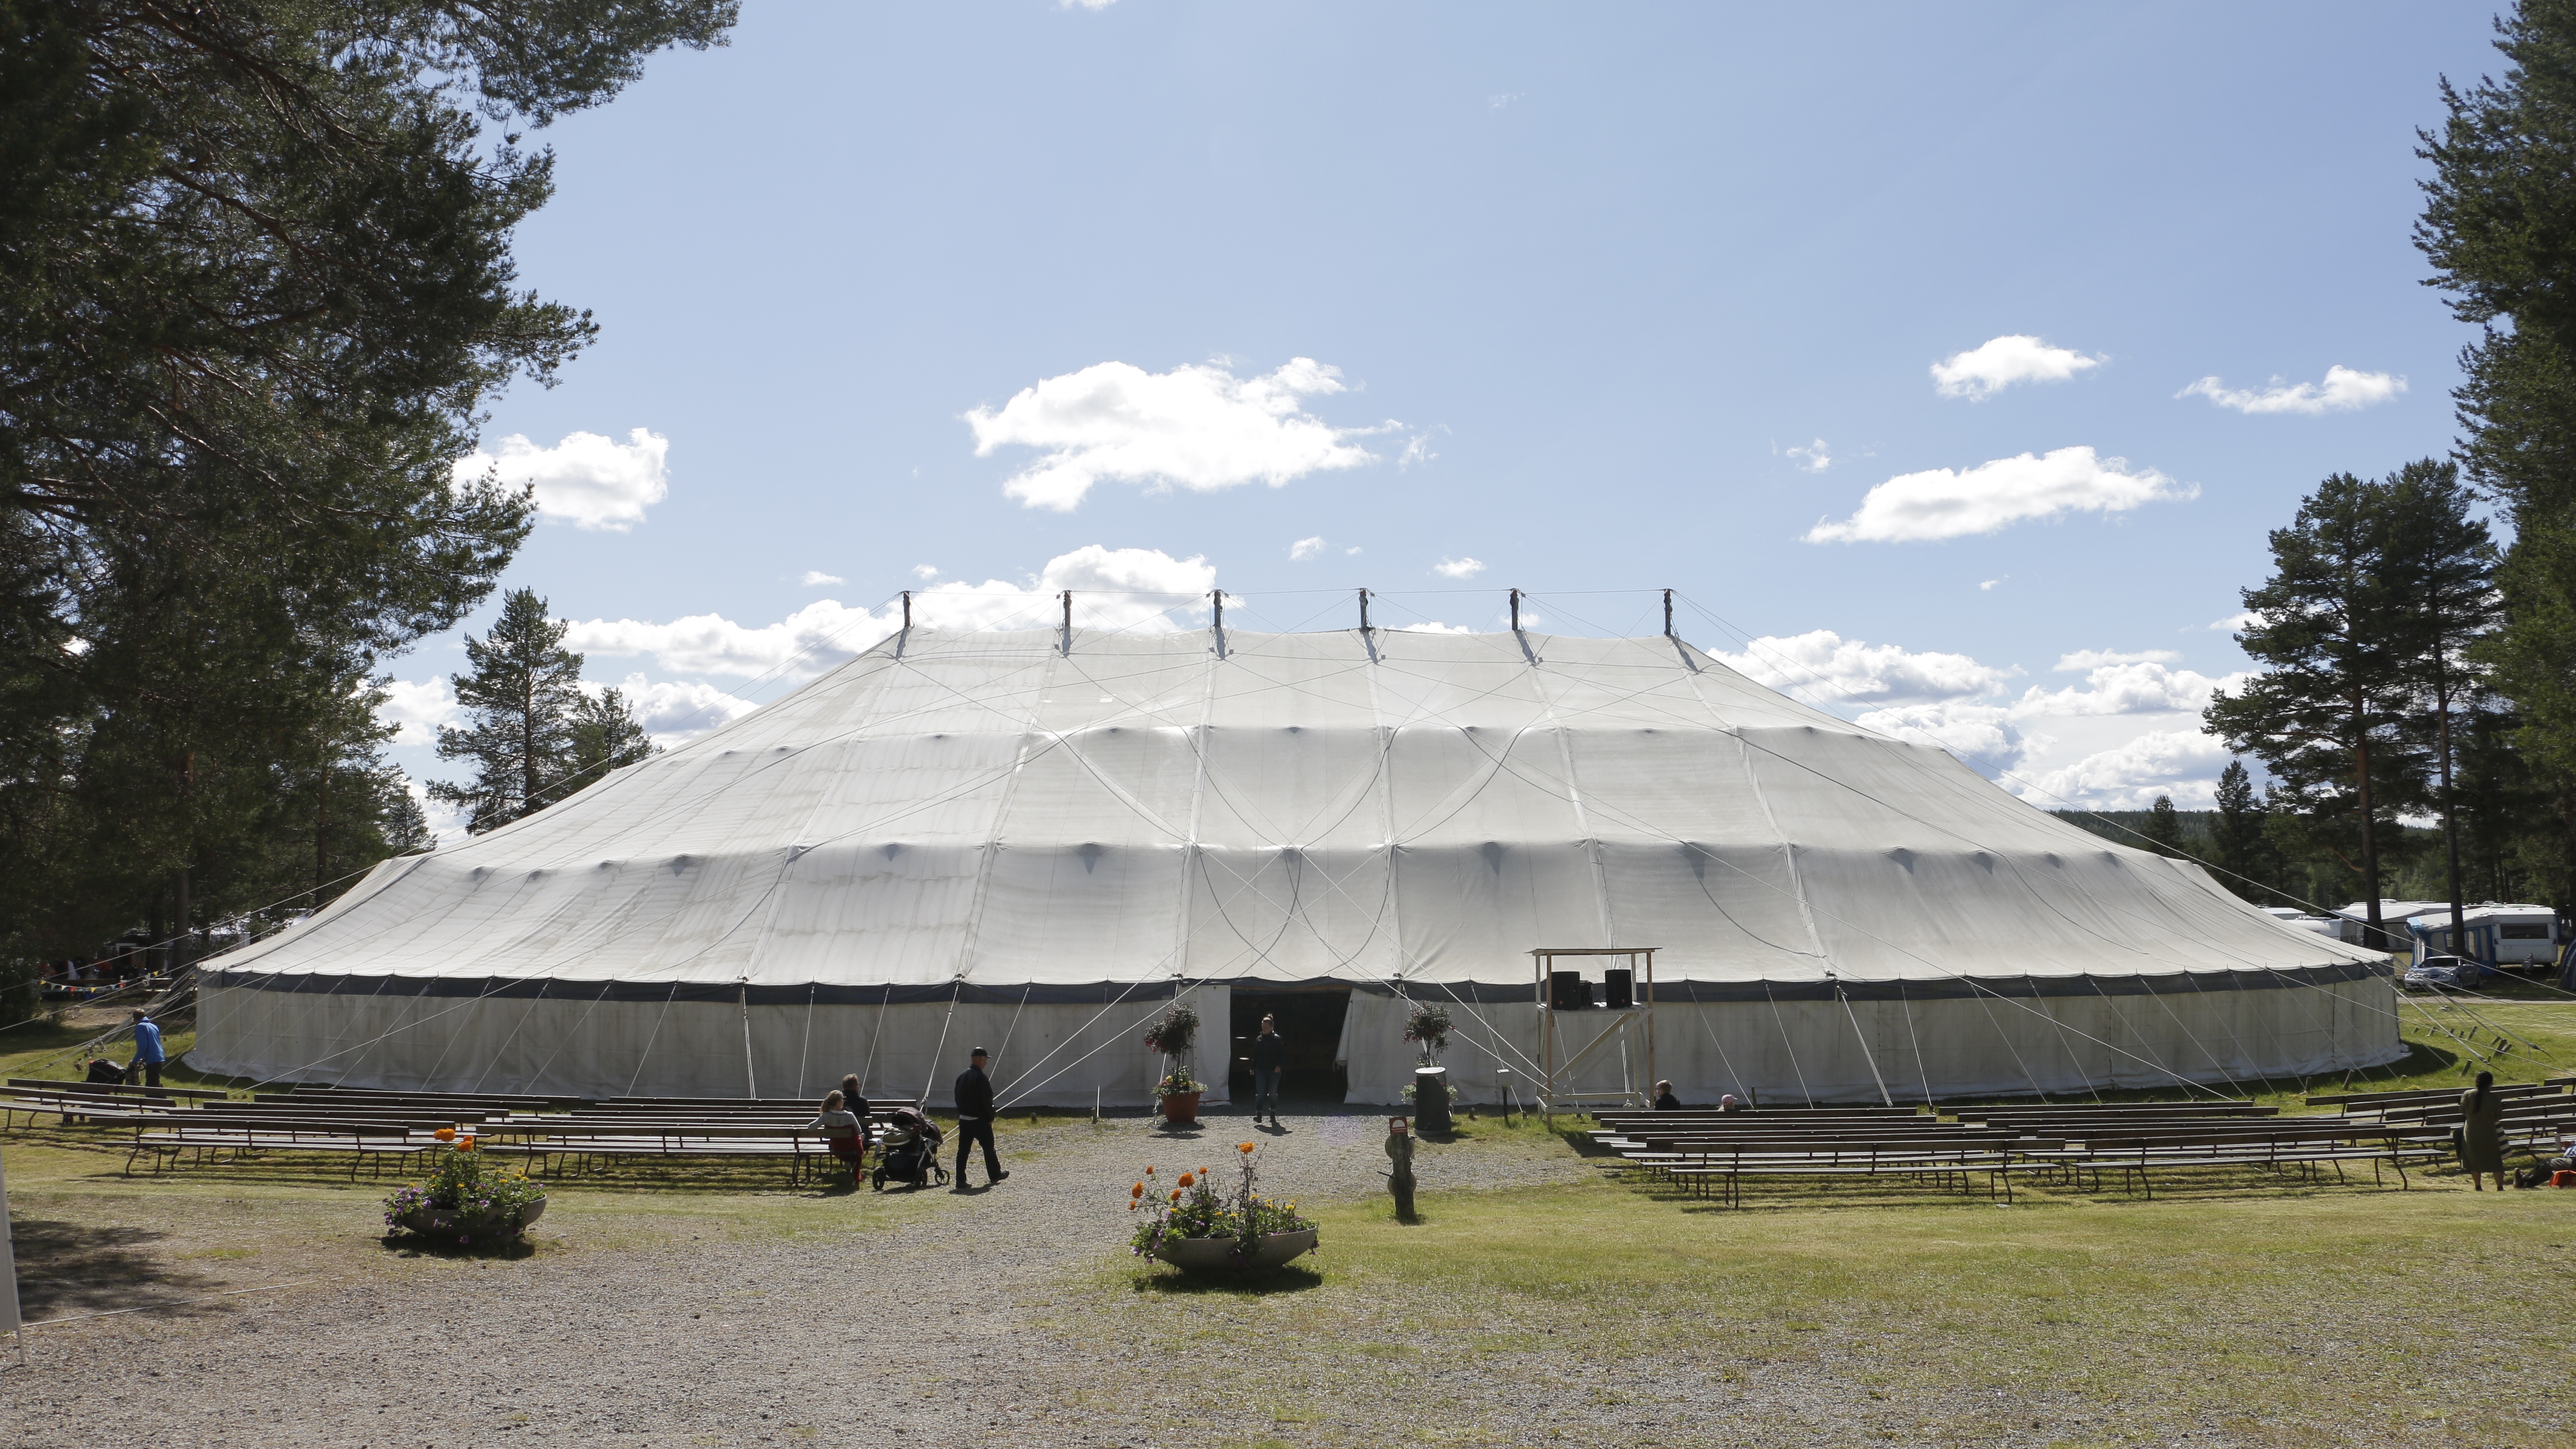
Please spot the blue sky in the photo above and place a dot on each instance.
(1599, 299)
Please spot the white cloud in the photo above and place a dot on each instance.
(1458, 568)
(2135, 685)
(1983, 371)
(1497, 102)
(1352, 552)
(1306, 548)
(416, 710)
(1945, 503)
(925, 571)
(1811, 459)
(1822, 667)
(1433, 626)
(1133, 588)
(1093, 5)
(675, 711)
(1989, 584)
(1417, 451)
(1200, 427)
(2180, 763)
(1983, 735)
(2084, 659)
(587, 480)
(816, 577)
(2235, 623)
(2343, 391)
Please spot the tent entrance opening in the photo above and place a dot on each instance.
(1310, 1022)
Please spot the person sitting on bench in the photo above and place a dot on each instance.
(847, 1135)
(1665, 1101)
(1728, 1103)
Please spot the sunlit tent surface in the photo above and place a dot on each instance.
(1030, 842)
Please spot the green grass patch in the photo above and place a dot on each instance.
(2278, 1315)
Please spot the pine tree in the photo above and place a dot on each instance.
(606, 736)
(521, 695)
(2340, 640)
(2444, 562)
(2240, 842)
(2163, 828)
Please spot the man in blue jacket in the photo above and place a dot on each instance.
(147, 1052)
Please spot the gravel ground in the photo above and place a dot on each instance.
(936, 1332)
(1006, 1317)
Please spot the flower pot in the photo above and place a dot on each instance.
(446, 1223)
(1199, 1255)
(1181, 1108)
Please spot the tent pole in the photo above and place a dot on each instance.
(1068, 622)
(1364, 623)
(1668, 612)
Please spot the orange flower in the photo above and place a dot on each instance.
(1176, 1194)
(1244, 1147)
(1149, 1169)
(445, 1134)
(1139, 1192)
(1186, 1179)
(467, 1145)
(1131, 1207)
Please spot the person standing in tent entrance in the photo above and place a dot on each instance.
(975, 1118)
(1269, 1058)
(2482, 1133)
(147, 1051)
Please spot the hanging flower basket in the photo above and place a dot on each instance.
(1429, 1026)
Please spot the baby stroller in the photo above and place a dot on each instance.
(908, 1151)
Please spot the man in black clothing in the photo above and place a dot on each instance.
(975, 1119)
(1269, 1057)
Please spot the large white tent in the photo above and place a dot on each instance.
(1034, 840)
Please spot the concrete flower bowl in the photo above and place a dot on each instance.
(442, 1223)
(1205, 1255)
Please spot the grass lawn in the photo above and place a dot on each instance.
(2264, 1314)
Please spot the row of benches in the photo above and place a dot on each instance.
(1716, 1153)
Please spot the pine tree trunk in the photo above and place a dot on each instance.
(2450, 807)
(2377, 936)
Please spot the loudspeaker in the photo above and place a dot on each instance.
(1619, 989)
(1568, 991)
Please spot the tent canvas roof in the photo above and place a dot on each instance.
(1000, 809)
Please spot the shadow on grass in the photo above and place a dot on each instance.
(1227, 1282)
(67, 1269)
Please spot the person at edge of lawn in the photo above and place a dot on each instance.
(1729, 1103)
(147, 1051)
(2482, 1133)
(1665, 1101)
(974, 1093)
(1269, 1057)
(847, 1135)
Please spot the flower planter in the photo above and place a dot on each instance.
(1181, 1109)
(1200, 1255)
(444, 1223)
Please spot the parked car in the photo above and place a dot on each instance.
(2448, 973)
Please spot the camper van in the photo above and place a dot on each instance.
(2499, 935)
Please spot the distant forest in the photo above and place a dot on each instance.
(2414, 865)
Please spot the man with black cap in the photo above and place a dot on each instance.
(975, 1119)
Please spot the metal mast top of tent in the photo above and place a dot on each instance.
(1637, 1018)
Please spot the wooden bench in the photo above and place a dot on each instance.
(45, 1084)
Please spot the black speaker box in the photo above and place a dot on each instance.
(1619, 989)
(1568, 991)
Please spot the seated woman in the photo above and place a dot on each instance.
(846, 1134)
(1665, 1101)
